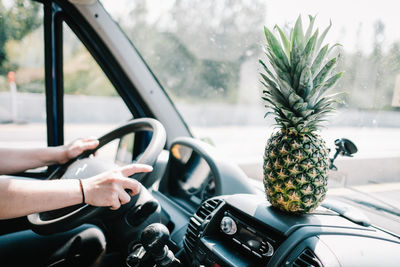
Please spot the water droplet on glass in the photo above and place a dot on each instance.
(249, 53)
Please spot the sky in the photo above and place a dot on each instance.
(348, 17)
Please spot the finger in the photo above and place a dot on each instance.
(115, 205)
(124, 197)
(128, 170)
(89, 144)
(89, 138)
(131, 185)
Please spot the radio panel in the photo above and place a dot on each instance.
(248, 237)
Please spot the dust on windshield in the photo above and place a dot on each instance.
(205, 54)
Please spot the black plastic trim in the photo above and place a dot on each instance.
(53, 74)
(105, 59)
(157, 81)
(309, 231)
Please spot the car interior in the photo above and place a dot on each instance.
(196, 208)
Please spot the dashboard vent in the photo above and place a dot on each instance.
(197, 220)
(307, 258)
(207, 208)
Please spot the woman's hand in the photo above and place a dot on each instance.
(20, 197)
(77, 147)
(108, 189)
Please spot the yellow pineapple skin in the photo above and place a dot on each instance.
(296, 169)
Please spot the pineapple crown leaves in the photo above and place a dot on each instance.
(299, 73)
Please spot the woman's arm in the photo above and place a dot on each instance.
(23, 197)
(18, 160)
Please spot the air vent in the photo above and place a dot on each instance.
(306, 259)
(207, 208)
(197, 220)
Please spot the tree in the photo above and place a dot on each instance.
(3, 35)
(196, 49)
(16, 22)
(376, 60)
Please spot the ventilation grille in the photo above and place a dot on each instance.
(306, 259)
(207, 208)
(197, 220)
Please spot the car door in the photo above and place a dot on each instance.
(75, 87)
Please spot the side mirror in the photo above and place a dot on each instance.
(344, 147)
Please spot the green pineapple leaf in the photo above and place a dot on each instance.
(324, 71)
(330, 83)
(308, 52)
(276, 49)
(306, 82)
(294, 98)
(332, 47)
(322, 37)
(267, 70)
(285, 41)
(295, 58)
(318, 60)
(298, 75)
(310, 27)
(297, 34)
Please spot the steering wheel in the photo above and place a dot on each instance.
(70, 217)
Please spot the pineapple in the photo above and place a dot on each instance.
(299, 73)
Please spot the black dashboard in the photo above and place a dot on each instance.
(244, 230)
(217, 219)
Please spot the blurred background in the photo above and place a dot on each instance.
(205, 54)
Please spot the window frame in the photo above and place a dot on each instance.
(62, 11)
(55, 13)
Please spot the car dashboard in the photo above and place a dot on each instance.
(216, 219)
(244, 230)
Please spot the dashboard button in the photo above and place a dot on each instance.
(257, 255)
(269, 252)
(251, 229)
(228, 225)
(246, 247)
(254, 244)
(201, 255)
(236, 241)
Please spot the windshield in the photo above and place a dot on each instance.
(205, 55)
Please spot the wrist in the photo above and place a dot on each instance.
(52, 155)
(62, 155)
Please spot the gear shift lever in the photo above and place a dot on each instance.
(154, 240)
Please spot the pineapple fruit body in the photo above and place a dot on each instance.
(295, 171)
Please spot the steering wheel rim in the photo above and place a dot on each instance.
(51, 221)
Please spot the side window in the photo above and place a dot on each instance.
(22, 98)
(92, 106)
